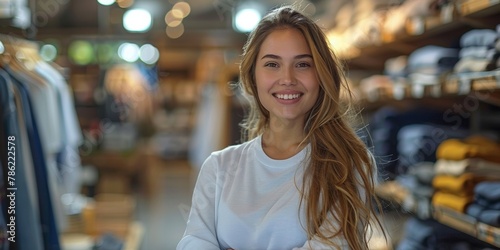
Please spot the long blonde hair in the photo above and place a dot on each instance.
(340, 165)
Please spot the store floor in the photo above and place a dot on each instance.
(163, 213)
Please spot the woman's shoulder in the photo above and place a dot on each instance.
(229, 157)
(235, 150)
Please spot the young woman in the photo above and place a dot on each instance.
(303, 179)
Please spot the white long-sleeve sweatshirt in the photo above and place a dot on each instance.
(245, 200)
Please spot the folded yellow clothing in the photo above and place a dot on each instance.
(462, 185)
(458, 203)
(472, 147)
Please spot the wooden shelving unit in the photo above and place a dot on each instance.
(395, 193)
(472, 14)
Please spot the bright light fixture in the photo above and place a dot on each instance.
(149, 54)
(137, 20)
(128, 52)
(247, 17)
(48, 52)
(106, 2)
(182, 8)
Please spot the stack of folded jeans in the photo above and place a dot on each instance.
(384, 127)
(479, 51)
(429, 66)
(486, 205)
(418, 182)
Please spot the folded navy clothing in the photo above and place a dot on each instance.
(384, 127)
(488, 190)
(490, 217)
(432, 59)
(418, 142)
(483, 214)
(474, 209)
(479, 37)
(486, 203)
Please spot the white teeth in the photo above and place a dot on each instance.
(287, 96)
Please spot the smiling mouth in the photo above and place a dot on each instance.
(287, 96)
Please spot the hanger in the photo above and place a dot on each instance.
(21, 56)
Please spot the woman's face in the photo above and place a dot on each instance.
(285, 74)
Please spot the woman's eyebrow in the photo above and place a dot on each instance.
(272, 56)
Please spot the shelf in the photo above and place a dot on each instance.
(467, 224)
(484, 85)
(480, 14)
(480, 8)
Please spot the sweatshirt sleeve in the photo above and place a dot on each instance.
(200, 231)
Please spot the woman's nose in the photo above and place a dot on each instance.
(287, 76)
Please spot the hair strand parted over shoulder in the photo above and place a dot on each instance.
(338, 188)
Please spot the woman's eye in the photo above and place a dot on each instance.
(271, 64)
(303, 65)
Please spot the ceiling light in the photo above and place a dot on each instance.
(48, 52)
(247, 16)
(149, 54)
(137, 20)
(128, 52)
(171, 19)
(182, 7)
(175, 32)
(81, 52)
(106, 2)
(124, 3)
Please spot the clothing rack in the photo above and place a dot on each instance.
(40, 123)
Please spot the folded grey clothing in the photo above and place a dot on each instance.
(423, 191)
(479, 37)
(434, 59)
(483, 52)
(424, 172)
(489, 190)
(470, 64)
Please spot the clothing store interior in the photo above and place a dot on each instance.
(110, 107)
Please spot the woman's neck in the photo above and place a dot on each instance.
(282, 144)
